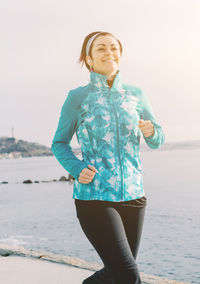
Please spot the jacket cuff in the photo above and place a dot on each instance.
(82, 166)
(153, 138)
(153, 141)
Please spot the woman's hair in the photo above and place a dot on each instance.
(83, 50)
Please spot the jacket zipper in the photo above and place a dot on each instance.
(116, 119)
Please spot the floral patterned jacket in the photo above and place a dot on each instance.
(105, 120)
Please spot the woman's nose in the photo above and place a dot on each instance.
(108, 51)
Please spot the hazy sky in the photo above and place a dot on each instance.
(41, 43)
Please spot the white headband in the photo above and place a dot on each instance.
(90, 42)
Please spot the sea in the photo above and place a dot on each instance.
(42, 215)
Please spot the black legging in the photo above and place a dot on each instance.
(114, 229)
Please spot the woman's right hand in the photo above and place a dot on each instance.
(87, 175)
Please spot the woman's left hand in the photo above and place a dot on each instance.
(146, 127)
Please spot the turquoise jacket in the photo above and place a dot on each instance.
(106, 124)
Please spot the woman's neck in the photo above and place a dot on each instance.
(110, 79)
(110, 82)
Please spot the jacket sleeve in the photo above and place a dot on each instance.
(61, 142)
(157, 139)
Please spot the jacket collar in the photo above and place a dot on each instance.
(100, 81)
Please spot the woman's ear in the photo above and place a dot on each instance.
(88, 60)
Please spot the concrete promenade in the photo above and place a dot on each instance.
(21, 266)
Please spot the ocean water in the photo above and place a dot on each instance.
(42, 215)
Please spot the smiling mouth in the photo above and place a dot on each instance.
(112, 60)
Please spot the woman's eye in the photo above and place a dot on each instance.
(102, 49)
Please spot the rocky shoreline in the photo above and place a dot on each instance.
(61, 179)
(11, 147)
(6, 251)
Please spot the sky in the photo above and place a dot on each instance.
(41, 43)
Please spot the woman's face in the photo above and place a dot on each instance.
(105, 56)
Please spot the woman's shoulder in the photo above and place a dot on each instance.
(77, 94)
(133, 89)
(78, 90)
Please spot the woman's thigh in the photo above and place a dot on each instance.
(133, 219)
(104, 228)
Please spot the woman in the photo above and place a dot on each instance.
(108, 117)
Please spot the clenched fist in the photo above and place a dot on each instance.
(87, 175)
(146, 127)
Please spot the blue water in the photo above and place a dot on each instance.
(42, 216)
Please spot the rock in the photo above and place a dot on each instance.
(4, 182)
(27, 181)
(63, 178)
(36, 181)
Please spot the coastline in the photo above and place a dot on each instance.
(12, 148)
(41, 258)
